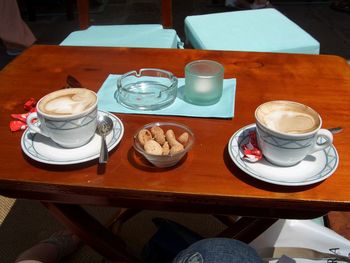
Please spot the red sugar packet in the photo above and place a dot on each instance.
(30, 104)
(21, 118)
(251, 149)
(17, 126)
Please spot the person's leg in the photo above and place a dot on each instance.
(218, 250)
(13, 30)
(50, 250)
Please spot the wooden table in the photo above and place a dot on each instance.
(207, 181)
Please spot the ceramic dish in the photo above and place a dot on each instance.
(314, 168)
(44, 150)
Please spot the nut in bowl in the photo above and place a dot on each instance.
(163, 144)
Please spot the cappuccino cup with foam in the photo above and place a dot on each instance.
(288, 131)
(67, 116)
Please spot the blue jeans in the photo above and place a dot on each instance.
(218, 250)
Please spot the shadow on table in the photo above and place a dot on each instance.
(237, 172)
(100, 169)
(138, 161)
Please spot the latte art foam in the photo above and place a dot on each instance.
(288, 117)
(289, 122)
(67, 101)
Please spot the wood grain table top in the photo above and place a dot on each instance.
(207, 180)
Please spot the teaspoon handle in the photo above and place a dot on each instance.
(335, 130)
(104, 151)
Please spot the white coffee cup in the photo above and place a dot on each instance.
(288, 131)
(67, 116)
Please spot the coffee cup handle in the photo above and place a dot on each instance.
(32, 126)
(326, 136)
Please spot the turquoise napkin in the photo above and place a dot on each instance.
(224, 108)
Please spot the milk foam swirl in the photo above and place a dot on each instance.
(67, 101)
(289, 122)
(288, 117)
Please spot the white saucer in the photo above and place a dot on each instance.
(43, 149)
(314, 168)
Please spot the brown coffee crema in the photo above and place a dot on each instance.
(67, 102)
(288, 117)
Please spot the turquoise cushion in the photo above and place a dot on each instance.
(319, 220)
(153, 36)
(265, 30)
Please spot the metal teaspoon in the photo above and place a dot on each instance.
(335, 130)
(104, 127)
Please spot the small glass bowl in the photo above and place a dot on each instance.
(165, 160)
(148, 89)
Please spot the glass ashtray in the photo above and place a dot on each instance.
(148, 89)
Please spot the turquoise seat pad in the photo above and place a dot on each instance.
(146, 35)
(264, 30)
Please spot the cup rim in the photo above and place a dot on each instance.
(220, 68)
(294, 135)
(70, 116)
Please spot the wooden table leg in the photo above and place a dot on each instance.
(167, 16)
(246, 229)
(83, 11)
(94, 234)
(227, 220)
(123, 215)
